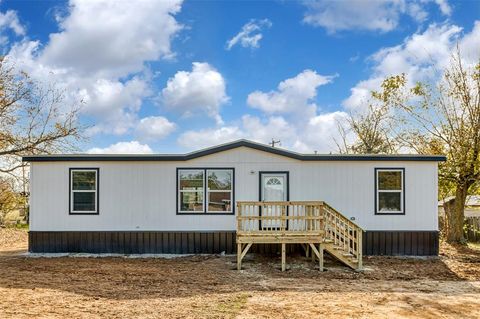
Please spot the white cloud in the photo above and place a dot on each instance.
(200, 90)
(299, 126)
(274, 127)
(417, 12)
(102, 96)
(318, 134)
(420, 56)
(470, 44)
(132, 147)
(444, 7)
(197, 139)
(112, 38)
(290, 115)
(250, 34)
(112, 102)
(252, 128)
(373, 15)
(294, 95)
(154, 128)
(9, 20)
(99, 57)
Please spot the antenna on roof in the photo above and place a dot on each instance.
(273, 143)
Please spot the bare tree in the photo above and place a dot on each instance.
(33, 118)
(369, 130)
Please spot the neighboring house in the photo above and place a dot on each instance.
(187, 203)
(472, 206)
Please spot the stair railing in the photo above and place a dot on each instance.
(343, 233)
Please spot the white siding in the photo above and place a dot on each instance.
(142, 195)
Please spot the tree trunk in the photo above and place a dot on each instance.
(454, 215)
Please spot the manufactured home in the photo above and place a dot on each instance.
(228, 197)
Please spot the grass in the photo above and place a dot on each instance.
(233, 305)
(475, 246)
(17, 226)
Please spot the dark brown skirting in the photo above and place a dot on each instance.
(401, 243)
(422, 243)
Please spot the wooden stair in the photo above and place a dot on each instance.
(346, 258)
(343, 238)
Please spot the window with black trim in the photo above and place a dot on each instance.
(84, 191)
(205, 190)
(390, 191)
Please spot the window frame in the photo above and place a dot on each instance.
(71, 191)
(179, 191)
(402, 192)
(208, 191)
(205, 210)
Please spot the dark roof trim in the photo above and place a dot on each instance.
(226, 147)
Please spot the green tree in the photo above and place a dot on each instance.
(444, 118)
(10, 200)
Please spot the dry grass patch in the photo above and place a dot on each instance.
(13, 239)
(210, 287)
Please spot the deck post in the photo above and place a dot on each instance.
(320, 257)
(318, 253)
(239, 256)
(283, 257)
(359, 250)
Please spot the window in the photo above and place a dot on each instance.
(84, 191)
(390, 192)
(191, 190)
(205, 190)
(219, 191)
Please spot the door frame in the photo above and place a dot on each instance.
(260, 186)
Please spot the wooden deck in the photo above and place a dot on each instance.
(313, 224)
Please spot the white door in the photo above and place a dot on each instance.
(274, 188)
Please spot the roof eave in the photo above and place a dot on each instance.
(229, 146)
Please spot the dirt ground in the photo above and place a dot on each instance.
(210, 287)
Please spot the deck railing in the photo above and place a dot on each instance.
(287, 218)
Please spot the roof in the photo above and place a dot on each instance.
(226, 147)
(471, 200)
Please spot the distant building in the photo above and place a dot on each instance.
(472, 206)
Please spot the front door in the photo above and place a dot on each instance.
(273, 188)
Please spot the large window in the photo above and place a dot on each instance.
(205, 190)
(390, 191)
(84, 191)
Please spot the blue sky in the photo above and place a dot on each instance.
(172, 76)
